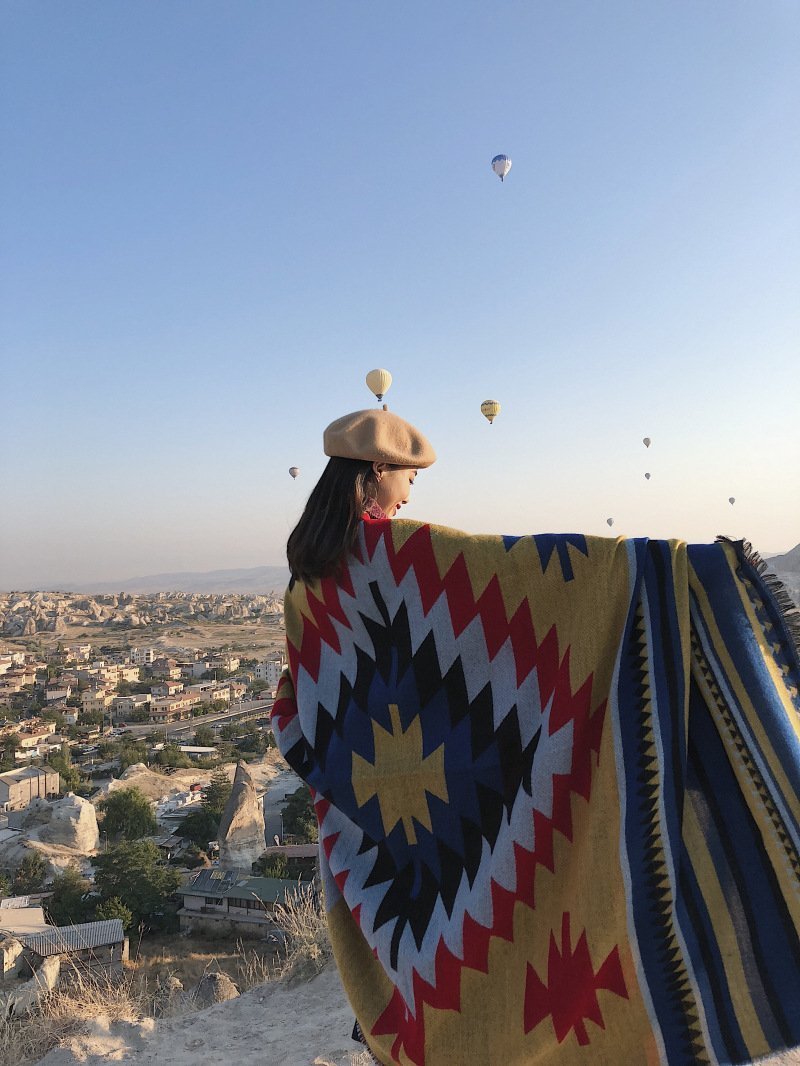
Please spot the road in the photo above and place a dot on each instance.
(280, 787)
(181, 730)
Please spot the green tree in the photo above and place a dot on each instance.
(133, 873)
(8, 747)
(113, 907)
(30, 874)
(204, 736)
(90, 718)
(70, 903)
(123, 688)
(5, 885)
(131, 753)
(128, 813)
(230, 731)
(70, 778)
(217, 793)
(200, 827)
(299, 818)
(171, 755)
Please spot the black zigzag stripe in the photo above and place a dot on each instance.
(678, 997)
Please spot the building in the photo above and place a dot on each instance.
(228, 663)
(143, 656)
(19, 787)
(57, 690)
(80, 653)
(93, 701)
(270, 670)
(165, 667)
(91, 948)
(232, 901)
(123, 707)
(171, 708)
(167, 688)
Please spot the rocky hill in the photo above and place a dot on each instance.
(24, 614)
(787, 568)
(256, 579)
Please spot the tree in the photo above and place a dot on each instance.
(299, 818)
(123, 688)
(8, 747)
(131, 753)
(5, 885)
(30, 874)
(69, 775)
(114, 908)
(133, 873)
(204, 736)
(128, 813)
(216, 793)
(200, 827)
(171, 755)
(230, 731)
(69, 903)
(90, 718)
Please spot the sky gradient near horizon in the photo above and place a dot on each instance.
(217, 218)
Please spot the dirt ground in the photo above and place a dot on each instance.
(252, 640)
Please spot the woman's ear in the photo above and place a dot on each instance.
(379, 469)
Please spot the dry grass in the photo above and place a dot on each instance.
(60, 1014)
(307, 947)
(189, 958)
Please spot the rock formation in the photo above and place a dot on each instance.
(241, 829)
(213, 988)
(72, 823)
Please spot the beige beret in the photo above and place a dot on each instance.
(378, 436)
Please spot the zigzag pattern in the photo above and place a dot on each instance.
(717, 703)
(679, 999)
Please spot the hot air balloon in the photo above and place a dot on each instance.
(609, 521)
(379, 382)
(646, 442)
(647, 476)
(294, 471)
(501, 165)
(490, 409)
(731, 500)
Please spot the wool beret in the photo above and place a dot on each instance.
(378, 436)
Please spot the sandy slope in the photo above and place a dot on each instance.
(274, 1025)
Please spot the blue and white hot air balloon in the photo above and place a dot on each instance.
(501, 165)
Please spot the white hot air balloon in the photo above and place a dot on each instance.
(294, 471)
(609, 521)
(379, 382)
(501, 165)
(646, 442)
(647, 476)
(731, 500)
(490, 409)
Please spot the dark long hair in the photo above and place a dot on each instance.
(327, 529)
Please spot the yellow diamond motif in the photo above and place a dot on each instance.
(400, 777)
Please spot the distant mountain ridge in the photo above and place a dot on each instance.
(787, 568)
(256, 580)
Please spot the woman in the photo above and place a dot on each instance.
(374, 459)
(556, 778)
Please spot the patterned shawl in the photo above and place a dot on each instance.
(557, 783)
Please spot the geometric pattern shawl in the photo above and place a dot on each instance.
(557, 781)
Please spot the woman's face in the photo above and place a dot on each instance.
(394, 486)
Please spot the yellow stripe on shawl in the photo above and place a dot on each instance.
(724, 932)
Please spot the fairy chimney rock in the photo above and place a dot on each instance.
(241, 829)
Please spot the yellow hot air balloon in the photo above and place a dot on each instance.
(490, 409)
(379, 382)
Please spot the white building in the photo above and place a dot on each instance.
(143, 656)
(270, 670)
(79, 652)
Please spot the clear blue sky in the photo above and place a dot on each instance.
(217, 217)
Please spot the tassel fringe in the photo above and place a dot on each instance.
(788, 610)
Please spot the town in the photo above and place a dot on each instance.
(141, 791)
